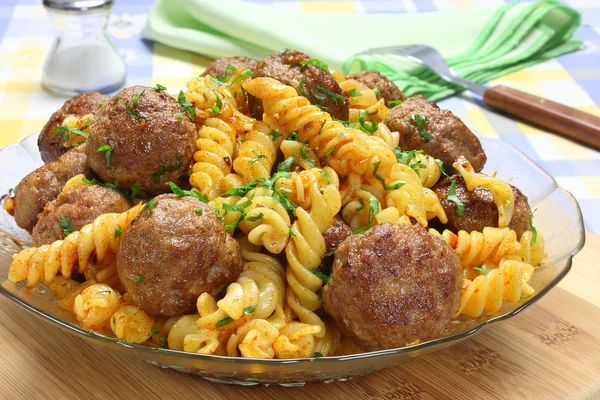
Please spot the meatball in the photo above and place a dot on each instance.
(450, 136)
(78, 206)
(311, 81)
(218, 67)
(334, 236)
(149, 140)
(52, 147)
(45, 183)
(174, 252)
(393, 285)
(480, 210)
(387, 89)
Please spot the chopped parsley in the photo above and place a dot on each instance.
(242, 190)
(394, 103)
(139, 279)
(107, 150)
(116, 98)
(65, 226)
(321, 275)
(373, 210)
(131, 191)
(353, 93)
(317, 355)
(149, 206)
(225, 76)
(224, 321)
(420, 121)
(154, 331)
(293, 137)
(325, 176)
(460, 207)
(440, 164)
(159, 88)
(532, 228)
(65, 129)
(330, 151)
(408, 158)
(303, 88)
(259, 155)
(178, 117)
(186, 106)
(103, 291)
(316, 63)
(321, 128)
(285, 201)
(216, 108)
(164, 342)
(285, 50)
(332, 96)
(483, 270)
(367, 126)
(182, 193)
(118, 231)
(255, 218)
(249, 310)
(377, 91)
(199, 210)
(166, 168)
(329, 253)
(275, 135)
(132, 111)
(246, 74)
(101, 104)
(395, 186)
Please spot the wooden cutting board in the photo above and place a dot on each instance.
(550, 351)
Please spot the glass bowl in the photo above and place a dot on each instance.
(557, 215)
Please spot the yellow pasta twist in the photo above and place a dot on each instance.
(95, 305)
(408, 199)
(296, 340)
(254, 339)
(500, 190)
(131, 324)
(361, 98)
(256, 155)
(303, 155)
(99, 239)
(263, 219)
(359, 212)
(211, 173)
(342, 147)
(507, 282)
(81, 123)
(299, 186)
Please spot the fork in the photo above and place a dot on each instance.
(559, 118)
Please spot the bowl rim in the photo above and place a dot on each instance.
(329, 359)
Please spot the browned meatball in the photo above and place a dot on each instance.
(311, 81)
(78, 206)
(45, 183)
(218, 67)
(450, 136)
(393, 285)
(480, 210)
(387, 89)
(150, 139)
(52, 147)
(334, 236)
(173, 252)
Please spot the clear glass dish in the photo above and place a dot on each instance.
(557, 216)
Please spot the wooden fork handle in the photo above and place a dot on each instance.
(556, 117)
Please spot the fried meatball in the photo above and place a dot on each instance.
(310, 81)
(480, 209)
(79, 206)
(173, 252)
(218, 67)
(45, 183)
(451, 137)
(393, 285)
(387, 89)
(151, 140)
(52, 147)
(334, 236)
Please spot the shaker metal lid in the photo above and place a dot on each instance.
(75, 5)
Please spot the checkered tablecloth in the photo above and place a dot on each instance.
(26, 35)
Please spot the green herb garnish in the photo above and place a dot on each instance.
(159, 88)
(325, 176)
(321, 275)
(353, 93)
(316, 63)
(199, 210)
(133, 111)
(107, 150)
(420, 121)
(65, 226)
(332, 96)
(224, 321)
(139, 279)
(317, 355)
(118, 231)
(483, 270)
(532, 228)
(373, 210)
(149, 206)
(154, 331)
(186, 106)
(274, 135)
(395, 186)
(216, 108)
(255, 218)
(164, 342)
(166, 168)
(182, 193)
(368, 126)
(249, 310)
(460, 207)
(394, 103)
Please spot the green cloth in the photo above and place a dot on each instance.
(480, 43)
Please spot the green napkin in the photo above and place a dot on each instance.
(480, 43)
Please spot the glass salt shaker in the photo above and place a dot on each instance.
(83, 57)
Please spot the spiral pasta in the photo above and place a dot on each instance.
(254, 339)
(131, 324)
(95, 305)
(75, 125)
(256, 155)
(296, 340)
(500, 190)
(493, 245)
(100, 239)
(408, 199)
(298, 185)
(360, 98)
(507, 282)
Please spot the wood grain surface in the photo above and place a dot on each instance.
(550, 351)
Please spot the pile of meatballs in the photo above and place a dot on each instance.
(388, 287)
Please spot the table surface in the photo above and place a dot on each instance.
(41, 361)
